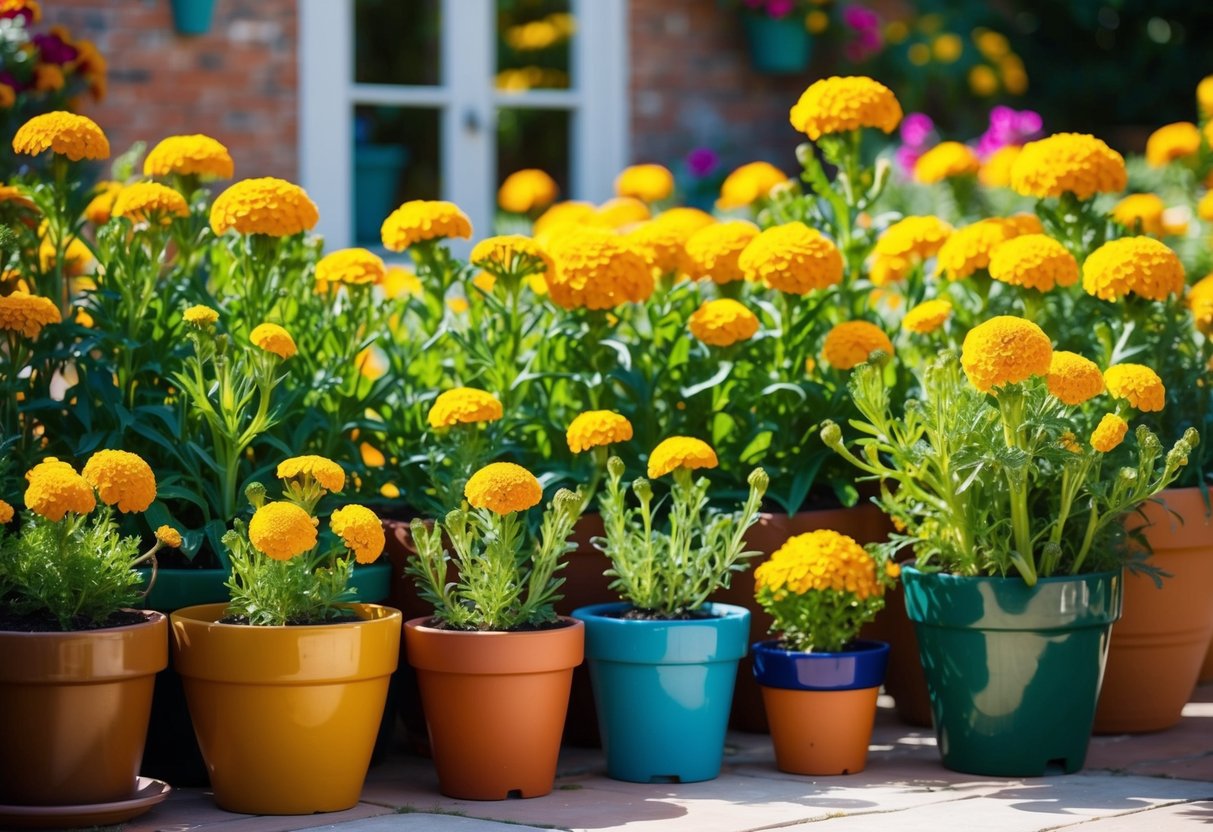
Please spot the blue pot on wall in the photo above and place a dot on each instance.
(777, 46)
(664, 689)
(377, 169)
(192, 17)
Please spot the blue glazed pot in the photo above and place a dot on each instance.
(663, 690)
(777, 46)
(862, 666)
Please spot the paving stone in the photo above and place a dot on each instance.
(426, 822)
(1177, 816)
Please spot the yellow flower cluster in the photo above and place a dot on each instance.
(1005, 350)
(713, 251)
(200, 316)
(1075, 163)
(792, 258)
(1142, 213)
(822, 560)
(67, 134)
(464, 406)
(562, 215)
(99, 207)
(969, 249)
(1034, 261)
(621, 212)
(1171, 142)
(996, 170)
(352, 266)
(1200, 301)
(748, 184)
(55, 489)
(273, 338)
(503, 488)
(851, 343)
(419, 220)
(194, 155)
(662, 241)
(265, 205)
(169, 536)
(360, 530)
(27, 314)
(723, 322)
(680, 452)
(945, 161)
(527, 190)
(927, 316)
(905, 244)
(512, 254)
(149, 202)
(596, 429)
(597, 269)
(1109, 433)
(330, 475)
(1137, 384)
(838, 104)
(121, 479)
(282, 530)
(648, 183)
(1072, 378)
(1140, 265)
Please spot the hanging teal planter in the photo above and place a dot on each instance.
(192, 17)
(1013, 671)
(777, 46)
(663, 690)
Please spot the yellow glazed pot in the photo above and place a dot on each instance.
(286, 717)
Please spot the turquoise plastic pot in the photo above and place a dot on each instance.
(1013, 671)
(192, 17)
(777, 46)
(663, 690)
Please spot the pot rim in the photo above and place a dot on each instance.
(951, 576)
(196, 615)
(416, 624)
(150, 619)
(869, 647)
(596, 611)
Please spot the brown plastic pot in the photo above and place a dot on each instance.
(1160, 642)
(73, 712)
(495, 705)
(821, 732)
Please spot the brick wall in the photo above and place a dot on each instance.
(238, 82)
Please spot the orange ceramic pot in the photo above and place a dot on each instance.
(1159, 644)
(495, 705)
(73, 712)
(821, 732)
(286, 717)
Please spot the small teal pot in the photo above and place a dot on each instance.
(663, 690)
(1013, 671)
(192, 17)
(777, 46)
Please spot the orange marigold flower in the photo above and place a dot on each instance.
(1140, 265)
(267, 205)
(330, 475)
(905, 244)
(122, 479)
(1074, 163)
(361, 530)
(819, 561)
(6, 513)
(352, 266)
(55, 489)
(969, 249)
(273, 338)
(8, 97)
(149, 202)
(27, 314)
(464, 406)
(67, 134)
(621, 212)
(564, 215)
(1005, 350)
(511, 255)
(677, 452)
(99, 207)
(503, 488)
(748, 184)
(1171, 142)
(996, 170)
(421, 219)
(945, 161)
(839, 104)
(48, 78)
(1109, 433)
(597, 269)
(527, 190)
(1137, 384)
(851, 343)
(792, 258)
(1033, 261)
(927, 316)
(713, 251)
(282, 530)
(193, 155)
(1141, 213)
(648, 183)
(596, 429)
(168, 536)
(723, 322)
(1072, 378)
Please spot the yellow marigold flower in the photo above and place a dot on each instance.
(1074, 163)
(31, 10)
(1141, 213)
(352, 266)
(905, 244)
(1109, 433)
(511, 254)
(969, 249)
(597, 269)
(67, 134)
(818, 561)
(282, 530)
(621, 212)
(122, 479)
(648, 183)
(457, 305)
(267, 205)
(149, 202)
(421, 219)
(503, 488)
(996, 170)
(6, 513)
(10, 194)
(713, 251)
(200, 316)
(1005, 350)
(464, 406)
(680, 452)
(1200, 300)
(596, 429)
(1034, 261)
(723, 322)
(1072, 378)
(194, 155)
(562, 215)
(1204, 96)
(851, 343)
(1141, 265)
(1069, 442)
(1137, 384)
(169, 536)
(1171, 142)
(927, 316)
(389, 490)
(371, 363)
(792, 258)
(748, 184)
(527, 190)
(1017, 224)
(75, 259)
(8, 97)
(945, 161)
(1204, 208)
(27, 314)
(662, 243)
(330, 475)
(372, 457)
(839, 104)
(360, 530)
(273, 338)
(99, 207)
(55, 489)
(399, 281)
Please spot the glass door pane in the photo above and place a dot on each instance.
(534, 44)
(534, 138)
(397, 42)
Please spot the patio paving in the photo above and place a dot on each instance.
(1161, 781)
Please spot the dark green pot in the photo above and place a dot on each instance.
(1013, 671)
(777, 46)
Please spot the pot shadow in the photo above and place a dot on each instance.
(1053, 796)
(1201, 812)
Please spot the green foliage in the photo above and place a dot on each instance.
(823, 621)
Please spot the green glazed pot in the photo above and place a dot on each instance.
(1013, 671)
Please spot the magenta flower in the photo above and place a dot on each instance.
(702, 161)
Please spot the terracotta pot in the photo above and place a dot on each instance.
(1159, 644)
(286, 716)
(495, 704)
(73, 712)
